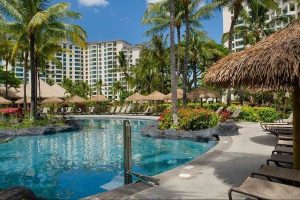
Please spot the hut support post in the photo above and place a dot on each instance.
(296, 125)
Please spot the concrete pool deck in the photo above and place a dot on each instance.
(211, 175)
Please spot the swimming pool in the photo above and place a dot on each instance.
(78, 164)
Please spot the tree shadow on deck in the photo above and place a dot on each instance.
(268, 140)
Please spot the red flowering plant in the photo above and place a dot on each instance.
(224, 115)
(10, 111)
(189, 119)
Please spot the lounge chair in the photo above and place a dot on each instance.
(69, 110)
(279, 173)
(219, 110)
(262, 189)
(129, 108)
(285, 137)
(112, 110)
(288, 143)
(117, 111)
(123, 110)
(235, 114)
(281, 160)
(287, 121)
(282, 149)
(273, 127)
(91, 109)
(45, 110)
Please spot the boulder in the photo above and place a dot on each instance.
(226, 129)
(17, 193)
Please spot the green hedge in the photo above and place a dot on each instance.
(190, 119)
(259, 114)
(210, 106)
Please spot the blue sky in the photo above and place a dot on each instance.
(121, 19)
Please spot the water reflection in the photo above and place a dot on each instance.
(78, 164)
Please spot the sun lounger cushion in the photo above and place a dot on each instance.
(283, 149)
(262, 189)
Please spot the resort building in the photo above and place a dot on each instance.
(97, 62)
(286, 8)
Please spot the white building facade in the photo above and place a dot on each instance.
(286, 8)
(97, 62)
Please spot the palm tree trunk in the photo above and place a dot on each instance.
(25, 81)
(230, 39)
(186, 53)
(33, 108)
(39, 85)
(173, 64)
(296, 125)
(6, 85)
(195, 75)
(178, 51)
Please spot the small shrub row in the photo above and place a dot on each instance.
(259, 114)
(190, 119)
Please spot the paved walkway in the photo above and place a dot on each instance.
(211, 175)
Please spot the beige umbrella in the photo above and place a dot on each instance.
(53, 100)
(156, 96)
(179, 95)
(76, 99)
(99, 98)
(272, 63)
(135, 97)
(4, 101)
(21, 101)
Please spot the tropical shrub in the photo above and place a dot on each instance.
(266, 114)
(224, 115)
(249, 114)
(190, 119)
(210, 106)
(259, 114)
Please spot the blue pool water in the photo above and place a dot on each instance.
(79, 164)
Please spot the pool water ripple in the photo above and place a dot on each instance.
(82, 163)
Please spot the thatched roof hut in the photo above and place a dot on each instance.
(272, 63)
(156, 96)
(4, 101)
(136, 97)
(76, 99)
(99, 98)
(179, 95)
(21, 101)
(60, 91)
(53, 100)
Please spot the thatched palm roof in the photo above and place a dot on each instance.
(135, 97)
(179, 94)
(21, 101)
(199, 93)
(76, 99)
(271, 63)
(52, 100)
(99, 98)
(156, 96)
(60, 91)
(4, 101)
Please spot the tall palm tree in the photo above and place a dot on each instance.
(236, 6)
(28, 17)
(117, 88)
(173, 64)
(98, 86)
(123, 67)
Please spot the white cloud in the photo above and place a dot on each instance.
(90, 3)
(153, 1)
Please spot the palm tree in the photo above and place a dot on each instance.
(236, 6)
(117, 88)
(123, 67)
(173, 64)
(28, 17)
(98, 86)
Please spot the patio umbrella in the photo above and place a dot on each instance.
(21, 101)
(53, 100)
(156, 96)
(99, 98)
(135, 97)
(179, 95)
(76, 99)
(272, 63)
(4, 101)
